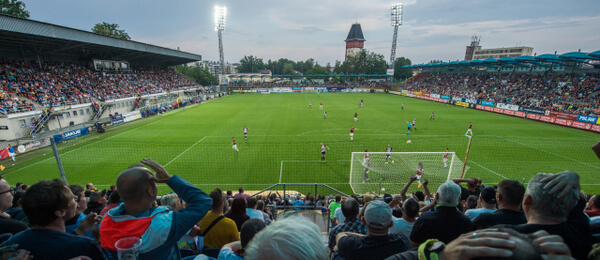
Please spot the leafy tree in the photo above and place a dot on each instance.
(364, 62)
(316, 70)
(399, 72)
(111, 30)
(198, 73)
(288, 69)
(14, 8)
(250, 64)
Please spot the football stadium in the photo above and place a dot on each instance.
(338, 163)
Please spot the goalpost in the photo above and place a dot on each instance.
(396, 171)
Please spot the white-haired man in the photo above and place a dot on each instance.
(446, 223)
(558, 214)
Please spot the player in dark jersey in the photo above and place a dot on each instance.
(432, 115)
(446, 155)
(234, 145)
(324, 148)
(352, 133)
(470, 129)
(409, 126)
(361, 103)
(355, 116)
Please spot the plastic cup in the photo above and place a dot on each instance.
(128, 248)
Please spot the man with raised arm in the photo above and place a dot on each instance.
(159, 227)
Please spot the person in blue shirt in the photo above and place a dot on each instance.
(409, 126)
(11, 152)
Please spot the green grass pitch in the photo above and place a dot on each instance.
(284, 139)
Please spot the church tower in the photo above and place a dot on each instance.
(355, 42)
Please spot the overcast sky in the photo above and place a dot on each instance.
(299, 30)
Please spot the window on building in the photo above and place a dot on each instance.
(87, 111)
(68, 114)
(81, 112)
(22, 122)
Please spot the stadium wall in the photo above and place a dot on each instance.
(589, 123)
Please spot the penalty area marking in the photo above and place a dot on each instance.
(282, 161)
(185, 151)
(500, 175)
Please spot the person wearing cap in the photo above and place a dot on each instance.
(447, 222)
(96, 203)
(486, 203)
(377, 244)
(508, 196)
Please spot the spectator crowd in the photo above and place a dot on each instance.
(550, 218)
(577, 93)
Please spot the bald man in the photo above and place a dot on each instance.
(159, 227)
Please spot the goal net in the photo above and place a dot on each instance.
(393, 172)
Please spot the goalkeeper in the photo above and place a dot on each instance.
(367, 164)
(419, 174)
(388, 155)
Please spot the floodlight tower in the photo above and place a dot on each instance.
(220, 13)
(396, 22)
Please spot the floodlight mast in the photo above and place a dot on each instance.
(396, 22)
(220, 13)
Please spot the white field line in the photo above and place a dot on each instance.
(282, 161)
(488, 169)
(184, 151)
(555, 154)
(134, 128)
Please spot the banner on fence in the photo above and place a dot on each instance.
(71, 134)
(561, 115)
(532, 110)
(587, 119)
(508, 106)
(487, 103)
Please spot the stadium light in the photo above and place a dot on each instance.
(396, 17)
(220, 14)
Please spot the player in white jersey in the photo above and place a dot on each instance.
(367, 164)
(419, 173)
(446, 155)
(388, 155)
(324, 148)
(402, 106)
(414, 125)
(245, 132)
(325, 114)
(310, 105)
(234, 145)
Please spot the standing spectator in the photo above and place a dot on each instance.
(486, 203)
(290, 238)
(217, 229)
(378, 243)
(96, 203)
(235, 250)
(350, 209)
(251, 209)
(558, 214)
(509, 197)
(410, 213)
(114, 200)
(241, 194)
(89, 189)
(8, 225)
(594, 206)
(159, 227)
(260, 206)
(48, 204)
(332, 207)
(238, 212)
(473, 185)
(446, 223)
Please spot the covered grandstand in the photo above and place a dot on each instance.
(55, 77)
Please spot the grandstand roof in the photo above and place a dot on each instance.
(355, 33)
(540, 59)
(27, 38)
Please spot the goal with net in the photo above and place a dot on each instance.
(393, 170)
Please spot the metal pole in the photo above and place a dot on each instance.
(58, 162)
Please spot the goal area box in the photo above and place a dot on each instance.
(392, 174)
